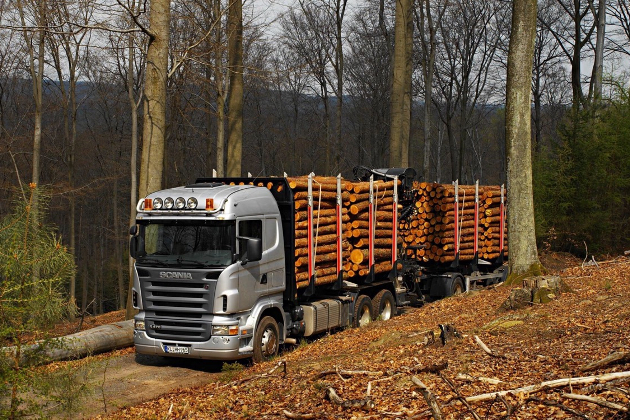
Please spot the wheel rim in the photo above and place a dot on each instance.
(269, 342)
(458, 289)
(365, 316)
(386, 313)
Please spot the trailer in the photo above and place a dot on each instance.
(218, 275)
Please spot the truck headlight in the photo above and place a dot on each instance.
(138, 325)
(225, 330)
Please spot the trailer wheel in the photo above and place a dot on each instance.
(384, 305)
(457, 287)
(363, 311)
(266, 340)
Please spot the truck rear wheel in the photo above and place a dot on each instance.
(266, 340)
(457, 287)
(363, 311)
(384, 305)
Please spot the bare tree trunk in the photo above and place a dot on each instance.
(84, 272)
(399, 124)
(340, 10)
(36, 67)
(596, 79)
(406, 115)
(522, 239)
(326, 128)
(118, 250)
(235, 94)
(463, 134)
(70, 44)
(154, 127)
(210, 138)
(218, 77)
(428, 70)
(133, 200)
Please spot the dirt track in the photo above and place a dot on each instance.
(129, 379)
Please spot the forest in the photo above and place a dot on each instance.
(317, 88)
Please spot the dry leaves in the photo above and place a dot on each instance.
(377, 363)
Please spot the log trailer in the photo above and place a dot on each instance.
(216, 262)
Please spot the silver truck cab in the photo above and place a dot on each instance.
(209, 267)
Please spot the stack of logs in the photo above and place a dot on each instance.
(429, 234)
(355, 228)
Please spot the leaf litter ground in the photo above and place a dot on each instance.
(537, 344)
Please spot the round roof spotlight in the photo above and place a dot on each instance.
(180, 203)
(157, 203)
(192, 203)
(169, 203)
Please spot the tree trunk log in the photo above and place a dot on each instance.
(611, 359)
(85, 343)
(556, 383)
(429, 397)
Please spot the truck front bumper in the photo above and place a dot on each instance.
(217, 348)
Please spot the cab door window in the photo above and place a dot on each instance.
(248, 229)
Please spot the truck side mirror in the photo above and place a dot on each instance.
(254, 251)
(133, 247)
(133, 242)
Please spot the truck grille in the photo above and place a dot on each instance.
(177, 309)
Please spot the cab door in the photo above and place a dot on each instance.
(253, 282)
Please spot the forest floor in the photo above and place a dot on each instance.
(370, 370)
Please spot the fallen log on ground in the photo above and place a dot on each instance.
(611, 359)
(75, 346)
(556, 383)
(429, 398)
(597, 401)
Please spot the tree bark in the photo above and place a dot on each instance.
(235, 94)
(611, 359)
(401, 84)
(547, 385)
(133, 164)
(522, 239)
(340, 10)
(600, 17)
(36, 68)
(218, 78)
(85, 343)
(154, 128)
(428, 70)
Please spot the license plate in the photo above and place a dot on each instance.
(176, 350)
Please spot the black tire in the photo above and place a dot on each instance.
(384, 305)
(363, 311)
(266, 340)
(457, 287)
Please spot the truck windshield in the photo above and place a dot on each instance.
(194, 243)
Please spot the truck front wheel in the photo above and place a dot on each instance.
(266, 340)
(363, 311)
(384, 305)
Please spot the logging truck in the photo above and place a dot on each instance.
(231, 268)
